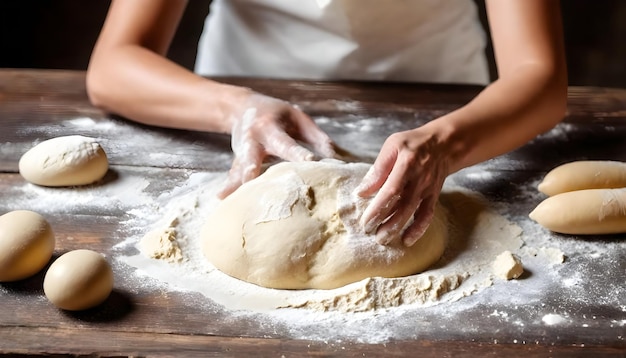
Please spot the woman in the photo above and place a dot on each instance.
(408, 40)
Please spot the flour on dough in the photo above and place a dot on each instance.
(64, 161)
(295, 227)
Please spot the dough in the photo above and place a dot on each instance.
(64, 161)
(507, 266)
(591, 211)
(161, 244)
(295, 227)
(584, 175)
(26, 244)
(78, 280)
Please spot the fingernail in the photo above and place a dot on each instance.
(383, 237)
(303, 154)
(361, 188)
(369, 227)
(410, 240)
(365, 182)
(372, 222)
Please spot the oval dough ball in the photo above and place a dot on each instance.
(64, 161)
(591, 211)
(296, 227)
(26, 244)
(78, 280)
(580, 175)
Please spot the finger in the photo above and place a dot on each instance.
(376, 212)
(282, 145)
(378, 173)
(393, 227)
(310, 133)
(245, 167)
(385, 202)
(422, 219)
(232, 182)
(324, 145)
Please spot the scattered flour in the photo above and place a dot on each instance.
(458, 288)
(162, 244)
(464, 270)
(554, 319)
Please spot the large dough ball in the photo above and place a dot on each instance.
(78, 280)
(584, 174)
(64, 161)
(295, 227)
(26, 244)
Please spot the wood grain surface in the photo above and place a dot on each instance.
(141, 321)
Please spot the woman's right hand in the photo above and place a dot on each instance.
(264, 126)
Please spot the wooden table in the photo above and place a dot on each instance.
(36, 105)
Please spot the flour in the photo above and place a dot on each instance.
(162, 244)
(370, 310)
(293, 188)
(124, 193)
(561, 131)
(553, 319)
(68, 151)
(462, 271)
(559, 268)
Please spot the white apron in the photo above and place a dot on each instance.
(396, 40)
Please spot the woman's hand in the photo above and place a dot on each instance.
(407, 178)
(265, 126)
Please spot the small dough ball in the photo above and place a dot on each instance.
(507, 266)
(64, 161)
(78, 280)
(586, 174)
(584, 212)
(26, 244)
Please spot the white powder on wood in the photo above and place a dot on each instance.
(141, 204)
(162, 244)
(464, 270)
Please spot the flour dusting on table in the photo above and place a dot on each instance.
(464, 270)
(458, 289)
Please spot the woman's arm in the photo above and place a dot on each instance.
(129, 75)
(528, 98)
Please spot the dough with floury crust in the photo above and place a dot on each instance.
(296, 227)
(591, 211)
(507, 266)
(586, 174)
(26, 244)
(64, 161)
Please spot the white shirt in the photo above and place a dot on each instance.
(396, 40)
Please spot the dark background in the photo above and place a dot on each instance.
(60, 34)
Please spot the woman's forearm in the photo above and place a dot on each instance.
(504, 116)
(146, 87)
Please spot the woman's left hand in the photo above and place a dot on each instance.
(407, 178)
